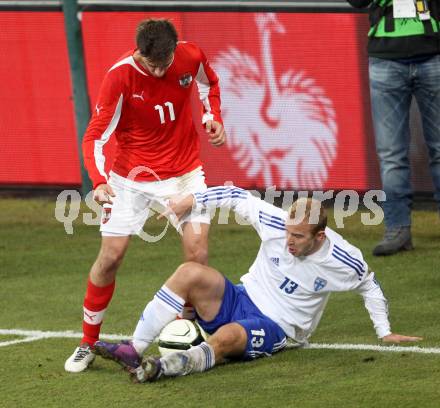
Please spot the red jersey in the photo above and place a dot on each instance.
(151, 117)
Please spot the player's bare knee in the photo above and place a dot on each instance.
(187, 274)
(187, 269)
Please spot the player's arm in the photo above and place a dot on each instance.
(104, 121)
(254, 210)
(209, 92)
(377, 307)
(232, 197)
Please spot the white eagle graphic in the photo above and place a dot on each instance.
(281, 128)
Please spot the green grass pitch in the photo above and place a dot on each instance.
(43, 273)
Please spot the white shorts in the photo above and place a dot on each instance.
(135, 202)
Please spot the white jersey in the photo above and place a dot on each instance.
(293, 291)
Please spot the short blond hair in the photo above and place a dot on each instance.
(310, 210)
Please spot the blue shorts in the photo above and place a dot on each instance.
(265, 337)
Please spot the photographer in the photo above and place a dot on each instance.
(404, 61)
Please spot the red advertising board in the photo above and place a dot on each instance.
(38, 137)
(293, 98)
(294, 90)
(293, 94)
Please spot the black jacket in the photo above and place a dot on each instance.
(405, 46)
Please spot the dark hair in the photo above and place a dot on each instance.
(156, 39)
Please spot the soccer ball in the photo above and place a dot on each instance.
(179, 335)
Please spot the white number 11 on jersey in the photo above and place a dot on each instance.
(162, 113)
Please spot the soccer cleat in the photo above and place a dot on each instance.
(81, 358)
(123, 353)
(395, 240)
(150, 370)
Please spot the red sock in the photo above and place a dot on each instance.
(95, 305)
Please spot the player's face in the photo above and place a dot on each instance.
(301, 241)
(158, 69)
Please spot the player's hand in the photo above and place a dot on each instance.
(398, 338)
(216, 131)
(178, 206)
(103, 194)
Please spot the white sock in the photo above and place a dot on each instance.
(164, 308)
(195, 360)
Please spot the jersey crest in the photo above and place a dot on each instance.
(319, 284)
(185, 80)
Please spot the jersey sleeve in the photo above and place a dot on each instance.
(209, 91)
(376, 304)
(268, 220)
(103, 123)
(354, 274)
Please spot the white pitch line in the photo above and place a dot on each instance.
(25, 340)
(62, 334)
(33, 335)
(372, 347)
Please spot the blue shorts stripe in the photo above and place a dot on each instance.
(256, 354)
(280, 345)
